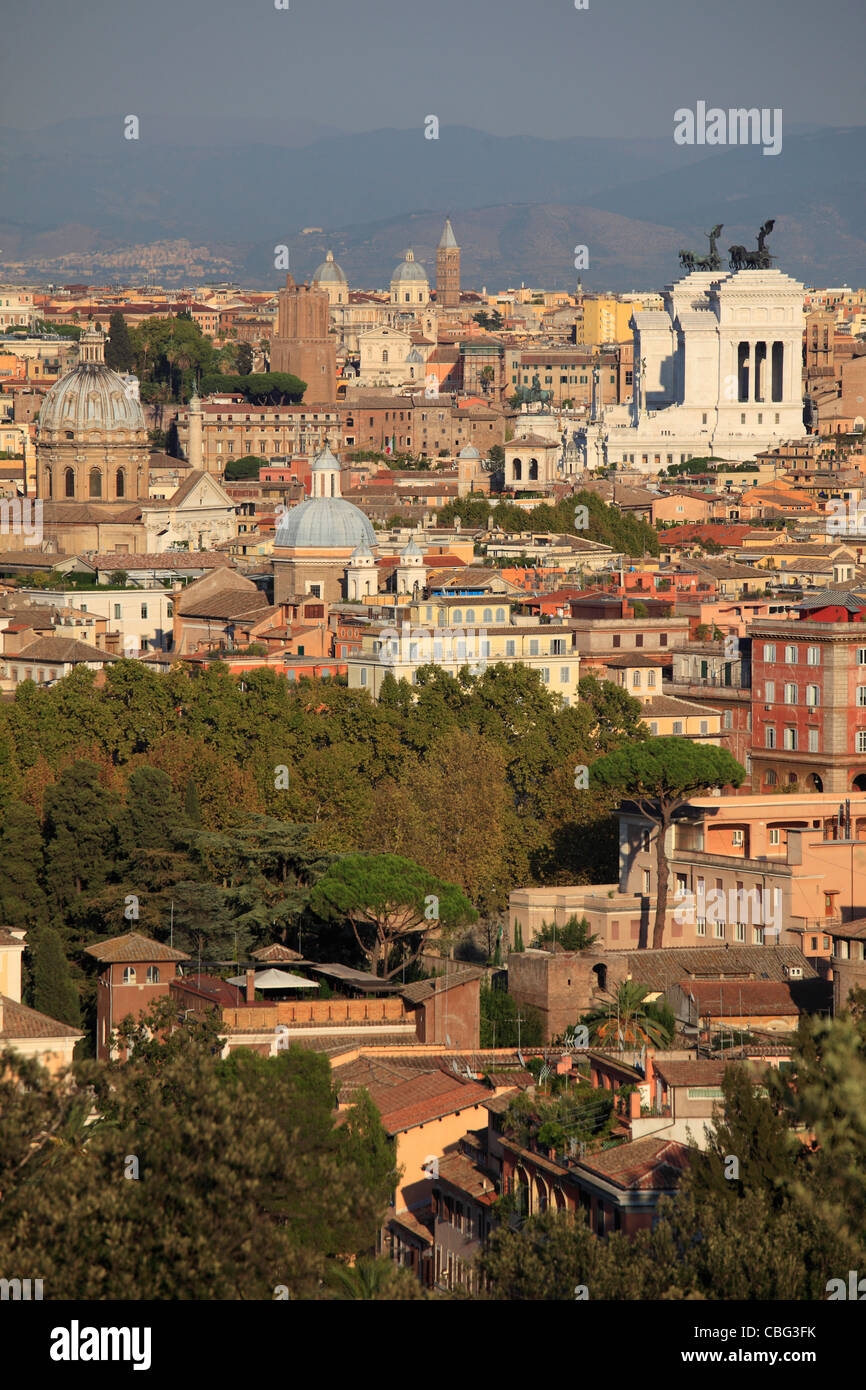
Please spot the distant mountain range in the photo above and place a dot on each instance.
(210, 199)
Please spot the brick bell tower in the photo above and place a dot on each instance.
(303, 343)
(448, 269)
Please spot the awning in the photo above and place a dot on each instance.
(275, 979)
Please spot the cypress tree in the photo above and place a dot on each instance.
(118, 350)
(54, 992)
(22, 900)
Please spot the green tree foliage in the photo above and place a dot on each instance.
(271, 388)
(22, 898)
(603, 523)
(243, 359)
(119, 352)
(246, 467)
(573, 935)
(625, 1020)
(242, 1184)
(54, 992)
(81, 833)
(391, 904)
(661, 775)
(170, 353)
(499, 1026)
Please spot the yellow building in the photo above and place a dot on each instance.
(474, 632)
(605, 320)
(23, 1030)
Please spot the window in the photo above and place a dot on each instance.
(861, 740)
(814, 741)
(635, 679)
(144, 610)
(363, 675)
(510, 648)
(678, 726)
(153, 974)
(769, 651)
(770, 692)
(813, 656)
(487, 615)
(545, 675)
(646, 882)
(790, 741)
(616, 640)
(129, 974)
(117, 610)
(861, 696)
(769, 737)
(861, 656)
(533, 647)
(790, 694)
(651, 679)
(790, 654)
(705, 727)
(638, 641)
(563, 675)
(737, 837)
(470, 615)
(727, 720)
(500, 615)
(775, 835)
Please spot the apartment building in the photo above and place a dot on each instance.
(232, 428)
(809, 696)
(456, 632)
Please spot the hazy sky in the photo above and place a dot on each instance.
(536, 67)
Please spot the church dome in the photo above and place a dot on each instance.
(91, 397)
(325, 523)
(469, 452)
(409, 269)
(329, 273)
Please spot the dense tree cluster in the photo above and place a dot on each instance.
(607, 525)
(181, 1176)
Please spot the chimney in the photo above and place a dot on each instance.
(251, 987)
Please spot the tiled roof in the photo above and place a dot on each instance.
(21, 1022)
(423, 1098)
(717, 998)
(672, 964)
(425, 989)
(62, 649)
(469, 1177)
(699, 1072)
(133, 946)
(645, 1164)
(168, 560)
(276, 952)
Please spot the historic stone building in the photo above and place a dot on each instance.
(319, 540)
(448, 269)
(410, 288)
(331, 278)
(91, 442)
(303, 343)
(717, 372)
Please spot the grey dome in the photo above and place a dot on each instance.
(90, 397)
(409, 269)
(470, 452)
(325, 523)
(329, 273)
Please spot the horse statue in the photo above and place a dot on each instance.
(687, 259)
(713, 261)
(742, 259)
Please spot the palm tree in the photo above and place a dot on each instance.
(625, 1020)
(366, 1278)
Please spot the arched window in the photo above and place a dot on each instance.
(95, 483)
(488, 615)
(129, 974)
(384, 354)
(120, 483)
(518, 470)
(770, 778)
(500, 615)
(470, 615)
(47, 483)
(533, 468)
(600, 973)
(69, 482)
(458, 616)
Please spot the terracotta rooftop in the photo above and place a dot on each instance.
(133, 946)
(20, 1022)
(645, 1164)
